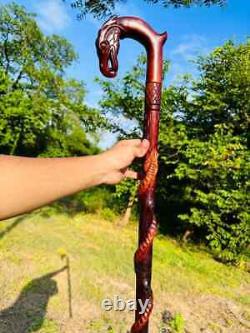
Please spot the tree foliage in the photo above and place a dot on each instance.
(223, 90)
(41, 112)
(103, 8)
(204, 157)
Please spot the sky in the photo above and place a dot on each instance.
(192, 31)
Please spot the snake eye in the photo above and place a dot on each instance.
(107, 56)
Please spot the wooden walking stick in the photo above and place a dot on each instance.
(107, 47)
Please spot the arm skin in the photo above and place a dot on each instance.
(29, 183)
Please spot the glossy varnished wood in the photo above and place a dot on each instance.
(107, 44)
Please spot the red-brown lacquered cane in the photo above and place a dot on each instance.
(107, 47)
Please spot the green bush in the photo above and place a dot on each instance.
(95, 200)
(108, 214)
(216, 174)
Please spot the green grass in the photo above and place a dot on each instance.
(186, 280)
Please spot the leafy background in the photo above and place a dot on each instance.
(202, 193)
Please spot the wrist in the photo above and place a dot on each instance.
(102, 166)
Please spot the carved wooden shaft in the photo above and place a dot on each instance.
(107, 47)
(148, 223)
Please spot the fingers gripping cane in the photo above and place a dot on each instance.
(107, 44)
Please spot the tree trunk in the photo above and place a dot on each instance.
(126, 217)
(188, 233)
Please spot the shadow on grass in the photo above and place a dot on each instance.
(12, 226)
(28, 312)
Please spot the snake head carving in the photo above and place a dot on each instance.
(107, 45)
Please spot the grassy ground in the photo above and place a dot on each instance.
(40, 294)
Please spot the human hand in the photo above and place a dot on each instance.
(29, 183)
(117, 159)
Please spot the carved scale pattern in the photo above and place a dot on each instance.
(144, 318)
(151, 169)
(152, 104)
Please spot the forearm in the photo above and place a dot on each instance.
(29, 183)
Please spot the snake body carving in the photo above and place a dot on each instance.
(108, 43)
